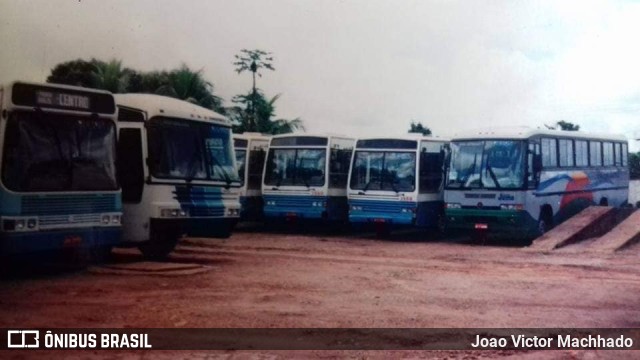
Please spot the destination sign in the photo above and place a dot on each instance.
(62, 98)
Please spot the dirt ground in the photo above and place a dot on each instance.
(318, 280)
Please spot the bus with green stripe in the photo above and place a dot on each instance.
(521, 182)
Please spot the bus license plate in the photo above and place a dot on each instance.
(482, 226)
(72, 241)
(292, 214)
(379, 220)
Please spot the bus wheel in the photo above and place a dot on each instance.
(441, 223)
(159, 248)
(544, 223)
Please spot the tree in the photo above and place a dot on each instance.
(417, 127)
(110, 76)
(189, 85)
(563, 125)
(261, 120)
(75, 72)
(253, 60)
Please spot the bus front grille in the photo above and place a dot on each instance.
(45, 205)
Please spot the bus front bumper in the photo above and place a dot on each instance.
(41, 241)
(281, 212)
(382, 217)
(508, 222)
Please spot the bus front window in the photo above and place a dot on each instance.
(384, 170)
(190, 150)
(241, 163)
(490, 164)
(54, 152)
(296, 167)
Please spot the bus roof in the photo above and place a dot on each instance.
(527, 132)
(411, 136)
(320, 135)
(252, 136)
(159, 105)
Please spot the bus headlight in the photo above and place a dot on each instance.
(174, 213)
(20, 224)
(105, 219)
(233, 212)
(115, 219)
(408, 210)
(453, 206)
(32, 223)
(319, 204)
(271, 203)
(356, 208)
(516, 207)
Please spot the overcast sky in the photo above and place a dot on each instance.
(364, 67)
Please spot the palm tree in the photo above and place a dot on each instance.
(261, 120)
(110, 76)
(189, 85)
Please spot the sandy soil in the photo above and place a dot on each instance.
(411, 280)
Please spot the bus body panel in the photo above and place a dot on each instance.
(170, 207)
(34, 219)
(559, 192)
(402, 208)
(250, 151)
(314, 202)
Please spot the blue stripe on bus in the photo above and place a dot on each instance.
(202, 201)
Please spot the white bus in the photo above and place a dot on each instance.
(177, 171)
(305, 177)
(58, 186)
(397, 181)
(522, 181)
(251, 150)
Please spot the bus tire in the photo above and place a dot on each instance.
(604, 202)
(158, 249)
(545, 222)
(441, 222)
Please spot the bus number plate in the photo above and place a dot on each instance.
(482, 226)
(72, 241)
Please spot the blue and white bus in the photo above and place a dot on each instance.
(251, 150)
(58, 154)
(305, 177)
(397, 181)
(177, 170)
(522, 181)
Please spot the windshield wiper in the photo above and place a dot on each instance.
(493, 175)
(191, 173)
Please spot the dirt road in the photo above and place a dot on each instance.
(286, 280)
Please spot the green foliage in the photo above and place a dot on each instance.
(75, 72)
(417, 127)
(564, 125)
(110, 76)
(634, 165)
(243, 115)
(253, 60)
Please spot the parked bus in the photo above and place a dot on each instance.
(522, 181)
(305, 177)
(397, 182)
(177, 171)
(251, 150)
(59, 186)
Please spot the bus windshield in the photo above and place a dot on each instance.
(487, 164)
(190, 150)
(384, 170)
(296, 167)
(56, 152)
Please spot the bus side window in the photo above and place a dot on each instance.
(130, 165)
(625, 155)
(549, 153)
(618, 154)
(534, 165)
